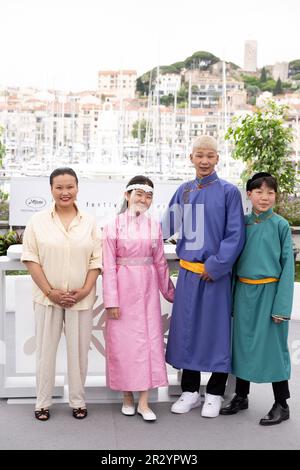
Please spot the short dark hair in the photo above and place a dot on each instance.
(62, 171)
(259, 179)
(140, 179)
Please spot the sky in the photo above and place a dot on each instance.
(63, 43)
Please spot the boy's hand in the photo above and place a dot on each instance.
(277, 320)
(205, 276)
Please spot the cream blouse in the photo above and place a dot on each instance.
(65, 256)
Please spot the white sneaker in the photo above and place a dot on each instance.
(186, 402)
(212, 406)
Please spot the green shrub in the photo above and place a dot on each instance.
(22, 272)
(289, 208)
(9, 238)
(4, 211)
(3, 196)
(297, 271)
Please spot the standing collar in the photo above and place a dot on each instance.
(257, 218)
(207, 179)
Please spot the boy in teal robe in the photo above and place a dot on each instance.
(263, 298)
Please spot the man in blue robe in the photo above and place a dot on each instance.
(207, 212)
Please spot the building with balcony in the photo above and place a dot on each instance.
(169, 84)
(117, 83)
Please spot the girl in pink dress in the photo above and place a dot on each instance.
(135, 270)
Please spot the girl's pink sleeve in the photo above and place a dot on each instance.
(166, 286)
(110, 283)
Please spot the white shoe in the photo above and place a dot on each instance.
(128, 410)
(147, 414)
(186, 402)
(212, 406)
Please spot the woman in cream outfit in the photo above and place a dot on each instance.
(62, 252)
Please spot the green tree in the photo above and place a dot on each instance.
(263, 141)
(139, 129)
(182, 95)
(3, 196)
(167, 100)
(269, 85)
(233, 65)
(178, 66)
(142, 85)
(278, 87)
(263, 75)
(286, 85)
(169, 69)
(200, 59)
(252, 92)
(2, 148)
(4, 206)
(250, 80)
(294, 67)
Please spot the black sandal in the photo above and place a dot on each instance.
(80, 413)
(42, 415)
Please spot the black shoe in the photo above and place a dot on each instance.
(275, 415)
(236, 404)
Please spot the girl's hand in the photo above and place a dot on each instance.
(113, 313)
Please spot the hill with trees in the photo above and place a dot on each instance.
(200, 60)
(255, 83)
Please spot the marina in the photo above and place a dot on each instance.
(123, 89)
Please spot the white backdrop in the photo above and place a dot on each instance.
(100, 198)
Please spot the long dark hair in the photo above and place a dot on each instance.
(62, 171)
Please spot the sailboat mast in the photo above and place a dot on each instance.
(121, 119)
(225, 117)
(158, 149)
(188, 117)
(148, 126)
(172, 162)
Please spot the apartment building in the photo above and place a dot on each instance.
(117, 83)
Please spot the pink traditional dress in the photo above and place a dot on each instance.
(135, 270)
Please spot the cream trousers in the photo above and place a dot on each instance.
(49, 322)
